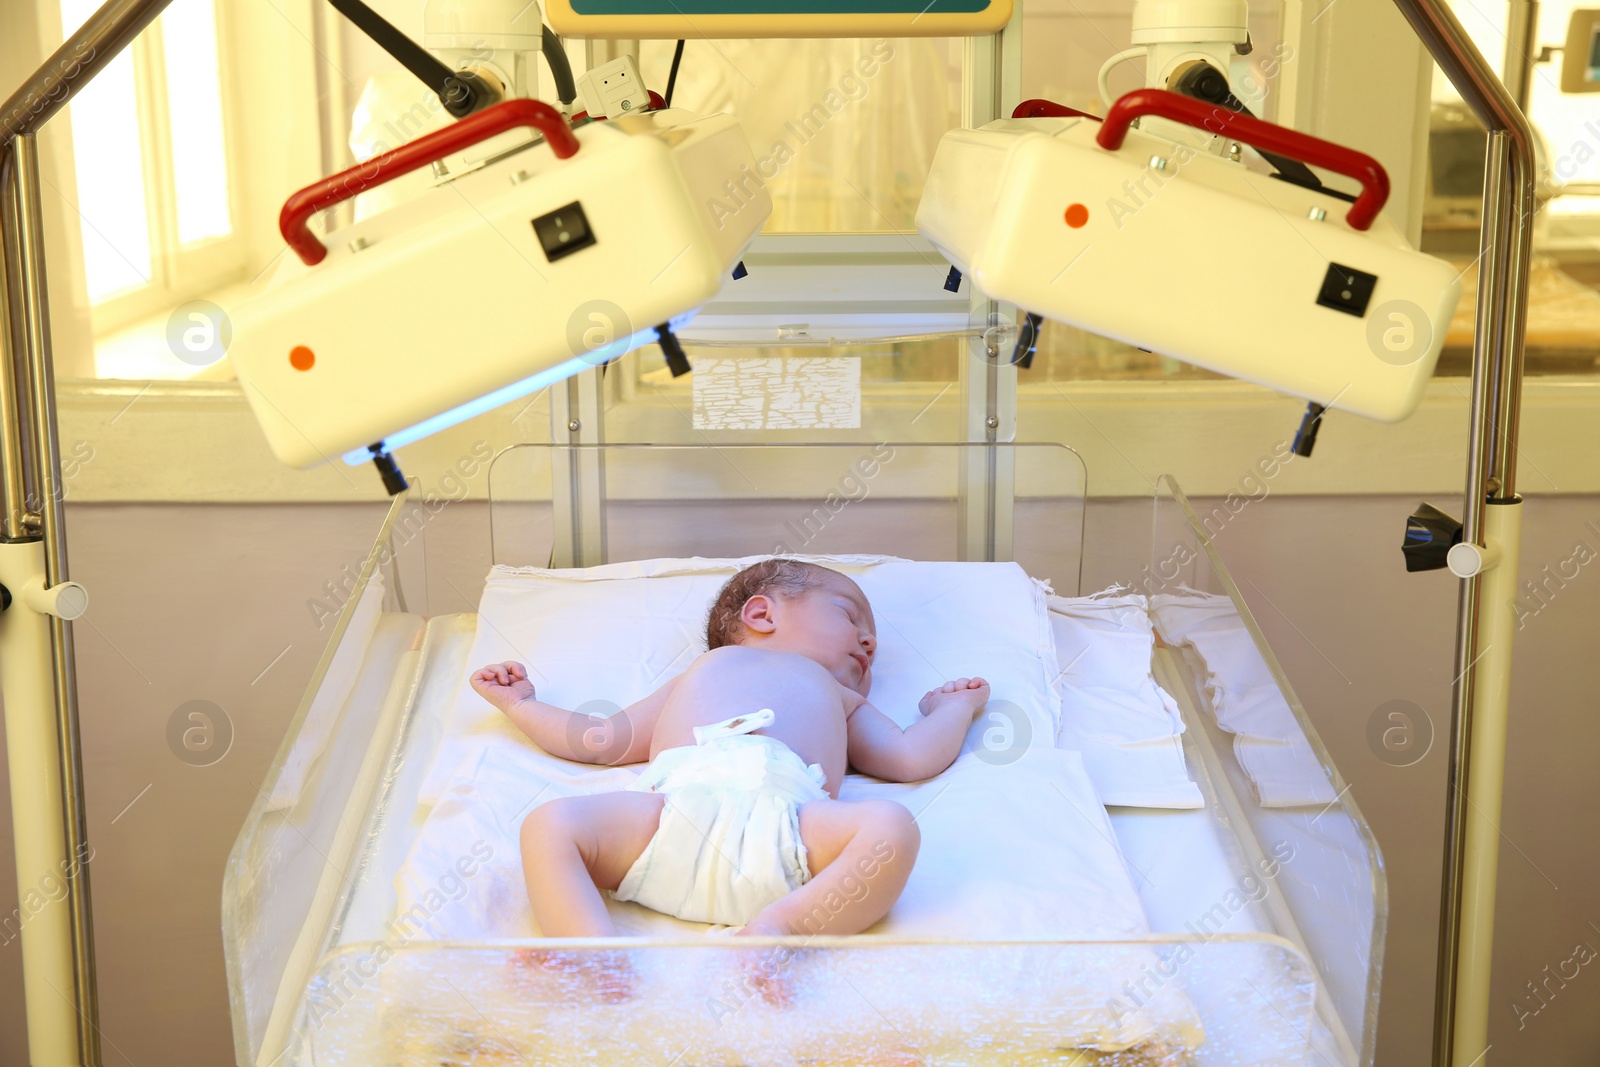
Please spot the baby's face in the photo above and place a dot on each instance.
(833, 625)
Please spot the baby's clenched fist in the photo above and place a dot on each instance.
(502, 684)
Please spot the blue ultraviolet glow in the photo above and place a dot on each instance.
(508, 393)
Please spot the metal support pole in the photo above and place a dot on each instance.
(986, 477)
(37, 674)
(80, 57)
(578, 475)
(36, 658)
(1493, 520)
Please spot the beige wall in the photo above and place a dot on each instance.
(196, 602)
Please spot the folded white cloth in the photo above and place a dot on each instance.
(1268, 742)
(1284, 774)
(729, 839)
(1112, 711)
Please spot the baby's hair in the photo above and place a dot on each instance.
(771, 577)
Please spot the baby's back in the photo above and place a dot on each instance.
(808, 703)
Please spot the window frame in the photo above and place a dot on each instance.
(178, 272)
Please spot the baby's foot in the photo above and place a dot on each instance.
(768, 971)
(608, 975)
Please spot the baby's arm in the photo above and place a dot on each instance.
(609, 740)
(880, 748)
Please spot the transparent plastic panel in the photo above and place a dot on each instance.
(1267, 772)
(290, 867)
(731, 500)
(780, 1002)
(324, 969)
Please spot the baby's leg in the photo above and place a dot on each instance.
(574, 847)
(860, 854)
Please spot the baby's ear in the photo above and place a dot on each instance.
(757, 614)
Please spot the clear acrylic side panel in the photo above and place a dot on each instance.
(782, 1003)
(921, 501)
(287, 874)
(1268, 772)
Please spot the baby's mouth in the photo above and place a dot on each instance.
(861, 661)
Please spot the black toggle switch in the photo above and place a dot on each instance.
(952, 281)
(563, 231)
(1347, 289)
(739, 270)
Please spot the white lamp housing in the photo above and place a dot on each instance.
(493, 283)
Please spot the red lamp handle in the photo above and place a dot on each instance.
(294, 219)
(1258, 134)
(1038, 107)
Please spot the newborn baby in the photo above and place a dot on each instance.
(737, 819)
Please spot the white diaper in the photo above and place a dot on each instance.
(729, 840)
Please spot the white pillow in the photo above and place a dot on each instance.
(1127, 727)
(603, 637)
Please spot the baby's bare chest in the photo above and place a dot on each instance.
(743, 680)
(807, 702)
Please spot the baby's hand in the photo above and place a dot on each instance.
(973, 692)
(503, 684)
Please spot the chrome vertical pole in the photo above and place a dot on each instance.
(36, 658)
(986, 476)
(1493, 522)
(37, 674)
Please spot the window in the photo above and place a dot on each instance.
(843, 131)
(1566, 121)
(151, 163)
